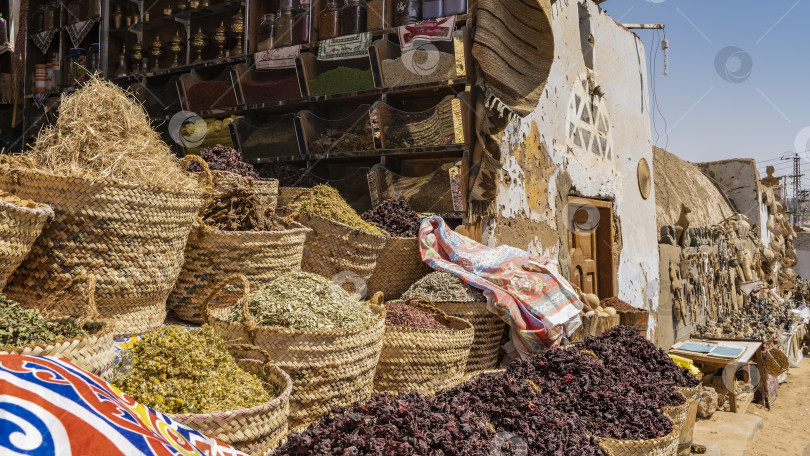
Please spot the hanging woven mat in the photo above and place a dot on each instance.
(43, 39)
(255, 430)
(78, 30)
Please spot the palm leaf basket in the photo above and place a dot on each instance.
(398, 267)
(255, 430)
(129, 237)
(424, 360)
(488, 332)
(327, 368)
(19, 228)
(266, 190)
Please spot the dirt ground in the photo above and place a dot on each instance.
(786, 427)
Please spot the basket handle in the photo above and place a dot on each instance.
(268, 360)
(206, 169)
(426, 304)
(248, 320)
(92, 309)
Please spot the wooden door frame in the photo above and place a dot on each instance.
(606, 277)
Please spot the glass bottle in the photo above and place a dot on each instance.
(329, 21)
(378, 15)
(353, 17)
(38, 19)
(454, 7)
(267, 32)
(432, 9)
(407, 12)
(122, 63)
(93, 59)
(300, 32)
(72, 62)
(94, 10)
(284, 28)
(49, 16)
(3, 30)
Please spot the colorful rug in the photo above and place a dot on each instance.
(49, 406)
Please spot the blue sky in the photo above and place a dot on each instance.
(752, 100)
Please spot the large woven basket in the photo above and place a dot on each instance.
(776, 362)
(424, 360)
(19, 228)
(328, 368)
(334, 248)
(214, 255)
(266, 190)
(93, 352)
(289, 195)
(659, 446)
(129, 237)
(488, 332)
(398, 267)
(255, 430)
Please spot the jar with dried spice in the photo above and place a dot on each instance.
(454, 7)
(301, 23)
(267, 32)
(329, 21)
(284, 28)
(432, 9)
(378, 15)
(353, 17)
(407, 12)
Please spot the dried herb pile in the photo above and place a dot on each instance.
(287, 175)
(396, 217)
(350, 139)
(341, 80)
(443, 287)
(403, 315)
(327, 203)
(221, 158)
(177, 370)
(20, 326)
(618, 304)
(237, 208)
(304, 301)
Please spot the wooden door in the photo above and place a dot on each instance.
(590, 243)
(583, 260)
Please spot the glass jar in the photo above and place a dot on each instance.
(301, 23)
(37, 20)
(454, 7)
(267, 32)
(378, 15)
(329, 21)
(93, 61)
(49, 16)
(432, 9)
(354, 16)
(284, 28)
(73, 12)
(73, 60)
(407, 12)
(94, 9)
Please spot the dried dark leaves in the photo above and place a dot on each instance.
(396, 217)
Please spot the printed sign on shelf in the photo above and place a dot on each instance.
(437, 30)
(277, 58)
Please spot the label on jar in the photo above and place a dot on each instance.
(345, 47)
(438, 30)
(277, 58)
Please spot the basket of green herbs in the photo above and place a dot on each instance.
(325, 340)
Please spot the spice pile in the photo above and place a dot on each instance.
(396, 217)
(403, 315)
(177, 370)
(287, 175)
(221, 158)
(443, 287)
(351, 139)
(326, 202)
(418, 67)
(341, 80)
(618, 304)
(102, 134)
(206, 95)
(20, 326)
(304, 301)
(285, 88)
(237, 208)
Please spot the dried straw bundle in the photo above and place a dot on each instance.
(102, 133)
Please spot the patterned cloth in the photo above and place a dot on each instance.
(49, 406)
(526, 291)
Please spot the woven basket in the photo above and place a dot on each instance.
(93, 352)
(398, 267)
(334, 248)
(19, 228)
(288, 195)
(213, 255)
(776, 362)
(488, 332)
(424, 360)
(328, 368)
(678, 414)
(659, 446)
(255, 430)
(129, 237)
(266, 190)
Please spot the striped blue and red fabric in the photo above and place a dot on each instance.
(526, 291)
(49, 406)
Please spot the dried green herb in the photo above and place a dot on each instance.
(300, 300)
(443, 287)
(178, 370)
(341, 80)
(327, 203)
(20, 326)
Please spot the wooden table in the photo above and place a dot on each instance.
(752, 351)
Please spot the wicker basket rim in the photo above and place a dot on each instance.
(324, 332)
(347, 227)
(297, 229)
(256, 180)
(675, 432)
(109, 182)
(675, 407)
(108, 328)
(39, 211)
(269, 405)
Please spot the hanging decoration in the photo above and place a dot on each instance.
(43, 39)
(79, 30)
